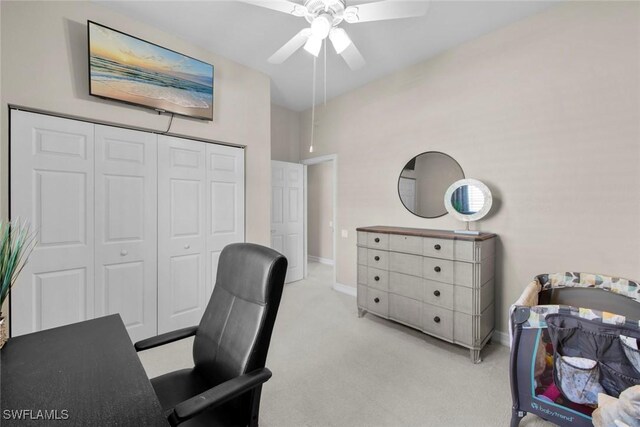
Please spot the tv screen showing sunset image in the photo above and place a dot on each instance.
(128, 69)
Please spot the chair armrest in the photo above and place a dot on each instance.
(165, 338)
(218, 395)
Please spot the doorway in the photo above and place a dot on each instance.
(320, 215)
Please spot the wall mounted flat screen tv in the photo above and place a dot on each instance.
(131, 70)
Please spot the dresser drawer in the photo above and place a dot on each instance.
(362, 296)
(463, 298)
(437, 321)
(378, 259)
(378, 302)
(405, 285)
(474, 251)
(438, 293)
(440, 270)
(405, 310)
(464, 251)
(362, 256)
(362, 238)
(362, 274)
(438, 248)
(378, 241)
(405, 263)
(406, 244)
(378, 279)
(464, 273)
(464, 328)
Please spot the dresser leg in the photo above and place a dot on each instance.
(475, 356)
(361, 312)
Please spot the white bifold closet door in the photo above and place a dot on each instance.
(126, 227)
(127, 222)
(200, 210)
(52, 186)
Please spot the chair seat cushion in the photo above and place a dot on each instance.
(176, 387)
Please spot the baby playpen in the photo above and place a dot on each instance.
(573, 335)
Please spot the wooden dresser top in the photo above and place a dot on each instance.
(423, 232)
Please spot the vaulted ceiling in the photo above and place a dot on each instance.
(249, 35)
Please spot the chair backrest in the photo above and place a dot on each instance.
(234, 333)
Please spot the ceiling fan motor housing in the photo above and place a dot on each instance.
(325, 17)
(332, 9)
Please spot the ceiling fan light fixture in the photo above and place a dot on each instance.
(313, 45)
(339, 39)
(321, 26)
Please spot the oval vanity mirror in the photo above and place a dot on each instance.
(424, 181)
(468, 200)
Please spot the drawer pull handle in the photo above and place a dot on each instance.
(437, 269)
(376, 300)
(437, 247)
(377, 278)
(377, 240)
(124, 252)
(377, 258)
(436, 293)
(436, 319)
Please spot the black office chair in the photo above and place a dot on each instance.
(230, 345)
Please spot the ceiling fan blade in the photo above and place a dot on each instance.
(353, 57)
(385, 9)
(280, 5)
(290, 47)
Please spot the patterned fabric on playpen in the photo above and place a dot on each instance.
(573, 335)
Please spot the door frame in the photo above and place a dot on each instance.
(314, 161)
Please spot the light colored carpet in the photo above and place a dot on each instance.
(331, 368)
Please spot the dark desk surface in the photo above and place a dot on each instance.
(90, 369)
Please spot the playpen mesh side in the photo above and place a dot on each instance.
(532, 373)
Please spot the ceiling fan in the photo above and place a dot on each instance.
(325, 16)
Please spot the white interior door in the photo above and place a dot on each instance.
(126, 228)
(225, 204)
(52, 186)
(287, 215)
(181, 232)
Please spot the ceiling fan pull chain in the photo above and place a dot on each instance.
(313, 105)
(325, 72)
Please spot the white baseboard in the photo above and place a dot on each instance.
(326, 261)
(349, 290)
(501, 338)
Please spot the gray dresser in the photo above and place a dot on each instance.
(437, 281)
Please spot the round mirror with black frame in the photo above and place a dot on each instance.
(424, 180)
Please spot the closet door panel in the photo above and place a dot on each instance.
(126, 228)
(52, 187)
(181, 233)
(225, 204)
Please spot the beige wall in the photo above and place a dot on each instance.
(285, 134)
(44, 66)
(544, 111)
(320, 210)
